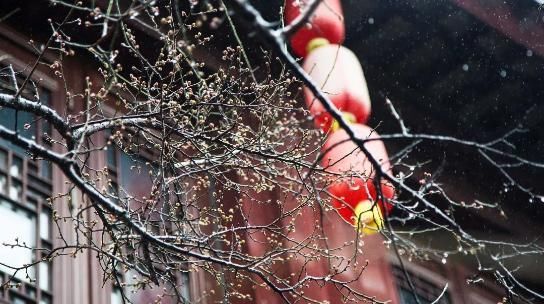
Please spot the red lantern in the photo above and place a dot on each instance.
(327, 22)
(337, 71)
(355, 197)
(342, 155)
(349, 192)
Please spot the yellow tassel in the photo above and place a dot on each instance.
(347, 116)
(368, 217)
(315, 43)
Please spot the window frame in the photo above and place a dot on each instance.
(14, 51)
(425, 274)
(35, 190)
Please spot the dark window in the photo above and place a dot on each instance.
(426, 291)
(25, 186)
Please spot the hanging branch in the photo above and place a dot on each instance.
(176, 125)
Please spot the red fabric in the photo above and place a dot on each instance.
(341, 155)
(337, 71)
(327, 22)
(349, 192)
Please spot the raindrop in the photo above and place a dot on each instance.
(529, 53)
(503, 73)
(370, 20)
(465, 67)
(444, 261)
